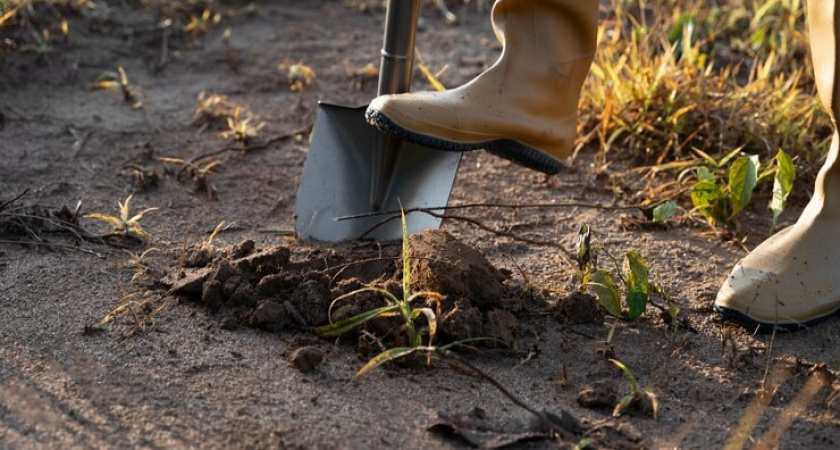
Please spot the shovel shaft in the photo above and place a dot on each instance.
(398, 46)
(395, 69)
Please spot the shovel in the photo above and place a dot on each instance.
(353, 169)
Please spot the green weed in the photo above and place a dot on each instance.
(402, 307)
(638, 396)
(719, 199)
(625, 291)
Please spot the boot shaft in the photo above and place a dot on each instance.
(823, 19)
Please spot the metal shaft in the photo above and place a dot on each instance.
(396, 65)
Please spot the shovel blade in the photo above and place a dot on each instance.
(337, 180)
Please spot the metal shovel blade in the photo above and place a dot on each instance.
(337, 180)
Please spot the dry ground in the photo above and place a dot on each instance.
(191, 382)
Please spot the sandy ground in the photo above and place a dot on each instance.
(198, 380)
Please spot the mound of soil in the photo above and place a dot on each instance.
(283, 288)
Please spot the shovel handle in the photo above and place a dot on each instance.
(397, 59)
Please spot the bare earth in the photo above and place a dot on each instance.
(210, 377)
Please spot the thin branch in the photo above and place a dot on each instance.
(493, 205)
(19, 196)
(478, 224)
(53, 245)
(446, 354)
(280, 137)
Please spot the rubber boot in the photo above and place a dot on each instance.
(524, 107)
(793, 278)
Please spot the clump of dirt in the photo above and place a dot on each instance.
(282, 288)
(601, 394)
(580, 308)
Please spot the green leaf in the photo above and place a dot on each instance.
(704, 174)
(706, 197)
(664, 211)
(607, 292)
(388, 355)
(346, 325)
(638, 283)
(782, 184)
(743, 177)
(634, 385)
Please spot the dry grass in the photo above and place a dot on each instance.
(673, 76)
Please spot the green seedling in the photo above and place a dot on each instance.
(118, 81)
(125, 224)
(403, 307)
(638, 396)
(631, 275)
(720, 201)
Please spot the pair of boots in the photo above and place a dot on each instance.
(524, 108)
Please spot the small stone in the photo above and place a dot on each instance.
(306, 359)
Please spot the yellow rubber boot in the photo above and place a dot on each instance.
(793, 278)
(524, 107)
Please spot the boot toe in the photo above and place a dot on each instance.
(774, 287)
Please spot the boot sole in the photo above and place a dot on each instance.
(748, 322)
(504, 148)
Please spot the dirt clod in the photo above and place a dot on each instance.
(462, 321)
(270, 316)
(500, 324)
(211, 294)
(580, 308)
(312, 299)
(600, 394)
(265, 261)
(190, 284)
(442, 263)
(306, 359)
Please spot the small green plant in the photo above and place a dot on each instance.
(720, 201)
(638, 396)
(125, 224)
(633, 275)
(402, 307)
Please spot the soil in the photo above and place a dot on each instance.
(228, 359)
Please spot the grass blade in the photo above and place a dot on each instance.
(388, 355)
(346, 325)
